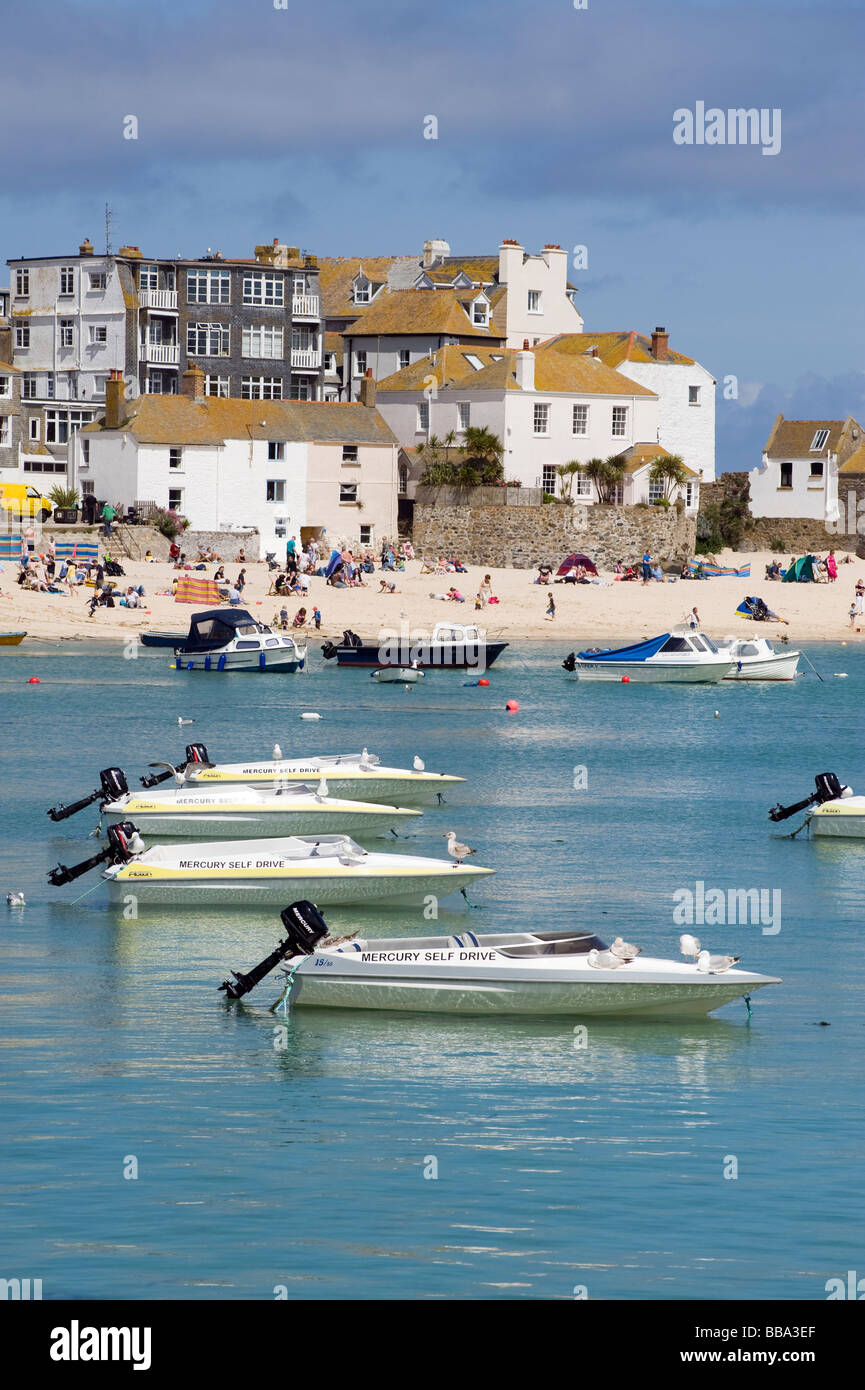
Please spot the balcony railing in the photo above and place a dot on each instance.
(157, 299)
(306, 357)
(162, 354)
(305, 306)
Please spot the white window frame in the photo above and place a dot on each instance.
(215, 285)
(348, 494)
(217, 386)
(175, 506)
(350, 454)
(29, 390)
(264, 287)
(535, 302)
(619, 422)
(694, 395)
(263, 341)
(360, 362)
(541, 418)
(216, 335)
(362, 291)
(67, 279)
(464, 415)
(549, 478)
(370, 532)
(657, 489)
(261, 388)
(5, 388)
(582, 485)
(580, 416)
(33, 429)
(98, 279)
(62, 422)
(819, 441)
(5, 431)
(480, 313)
(148, 277)
(67, 333)
(276, 451)
(22, 336)
(422, 417)
(175, 458)
(274, 491)
(97, 334)
(22, 284)
(99, 385)
(404, 353)
(330, 362)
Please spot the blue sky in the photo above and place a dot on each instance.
(554, 124)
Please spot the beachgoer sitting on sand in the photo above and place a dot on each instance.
(299, 619)
(455, 596)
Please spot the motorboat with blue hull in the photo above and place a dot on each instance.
(682, 656)
(231, 639)
(538, 972)
(451, 646)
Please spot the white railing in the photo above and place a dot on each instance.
(157, 299)
(305, 357)
(163, 354)
(305, 305)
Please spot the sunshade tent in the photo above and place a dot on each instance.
(191, 590)
(800, 572)
(572, 562)
(757, 609)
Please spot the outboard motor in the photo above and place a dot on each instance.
(197, 753)
(124, 842)
(112, 785)
(328, 650)
(304, 926)
(570, 662)
(829, 788)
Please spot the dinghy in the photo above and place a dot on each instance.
(755, 659)
(833, 810)
(242, 812)
(251, 873)
(683, 655)
(12, 639)
(535, 972)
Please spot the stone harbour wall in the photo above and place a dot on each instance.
(792, 535)
(522, 537)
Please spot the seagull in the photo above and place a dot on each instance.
(277, 751)
(457, 851)
(351, 853)
(364, 760)
(184, 721)
(15, 900)
(418, 764)
(623, 951)
(179, 775)
(604, 960)
(714, 965)
(689, 946)
(321, 791)
(136, 844)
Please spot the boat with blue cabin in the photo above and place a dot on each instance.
(683, 655)
(231, 639)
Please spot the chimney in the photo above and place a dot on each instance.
(433, 251)
(524, 367)
(86, 247)
(595, 353)
(660, 344)
(192, 383)
(115, 400)
(367, 390)
(510, 259)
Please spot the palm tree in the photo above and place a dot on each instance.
(670, 471)
(567, 472)
(483, 452)
(615, 469)
(449, 441)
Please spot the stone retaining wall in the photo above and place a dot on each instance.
(134, 541)
(522, 537)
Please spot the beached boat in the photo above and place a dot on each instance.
(245, 873)
(833, 810)
(396, 675)
(244, 812)
(11, 639)
(534, 972)
(682, 655)
(451, 645)
(755, 659)
(162, 639)
(230, 639)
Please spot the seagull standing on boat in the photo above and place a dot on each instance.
(277, 752)
(714, 965)
(418, 764)
(364, 760)
(457, 851)
(321, 792)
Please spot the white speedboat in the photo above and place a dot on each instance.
(238, 812)
(231, 639)
(682, 655)
(538, 972)
(248, 873)
(354, 775)
(833, 810)
(397, 675)
(755, 659)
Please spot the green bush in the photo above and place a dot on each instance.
(168, 523)
(64, 497)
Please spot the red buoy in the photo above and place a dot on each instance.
(626, 680)
(34, 680)
(512, 706)
(483, 681)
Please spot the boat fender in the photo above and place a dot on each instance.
(261, 661)
(483, 681)
(220, 665)
(207, 663)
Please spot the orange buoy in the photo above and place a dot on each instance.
(512, 706)
(483, 681)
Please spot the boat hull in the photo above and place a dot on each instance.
(275, 659)
(397, 675)
(457, 656)
(394, 786)
(327, 883)
(782, 668)
(242, 823)
(11, 639)
(652, 673)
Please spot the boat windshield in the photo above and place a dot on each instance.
(700, 639)
(676, 644)
(555, 944)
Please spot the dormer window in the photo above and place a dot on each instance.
(362, 291)
(819, 441)
(480, 313)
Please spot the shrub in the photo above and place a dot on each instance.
(168, 523)
(64, 497)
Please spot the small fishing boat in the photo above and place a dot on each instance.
(682, 655)
(833, 810)
(230, 639)
(568, 971)
(162, 639)
(755, 659)
(12, 639)
(452, 645)
(247, 873)
(397, 675)
(244, 812)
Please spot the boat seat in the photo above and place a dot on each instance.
(464, 942)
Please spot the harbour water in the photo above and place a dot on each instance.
(376, 1156)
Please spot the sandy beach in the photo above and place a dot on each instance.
(609, 610)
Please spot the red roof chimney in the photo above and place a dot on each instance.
(660, 344)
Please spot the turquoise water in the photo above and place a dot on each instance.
(558, 1167)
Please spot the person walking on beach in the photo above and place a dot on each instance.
(860, 596)
(485, 591)
(240, 582)
(853, 614)
(551, 610)
(647, 567)
(108, 515)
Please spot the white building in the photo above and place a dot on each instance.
(284, 467)
(685, 390)
(547, 407)
(798, 476)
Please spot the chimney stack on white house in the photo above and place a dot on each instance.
(115, 400)
(367, 389)
(510, 259)
(433, 251)
(524, 367)
(660, 344)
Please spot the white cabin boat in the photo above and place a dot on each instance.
(755, 659)
(231, 639)
(682, 655)
(539, 972)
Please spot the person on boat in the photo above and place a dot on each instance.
(647, 567)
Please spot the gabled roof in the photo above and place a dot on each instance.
(641, 455)
(554, 372)
(337, 274)
(792, 439)
(616, 348)
(180, 420)
(855, 463)
(404, 312)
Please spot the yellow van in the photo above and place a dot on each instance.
(19, 500)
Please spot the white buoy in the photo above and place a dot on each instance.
(840, 675)
(310, 715)
(717, 714)
(180, 720)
